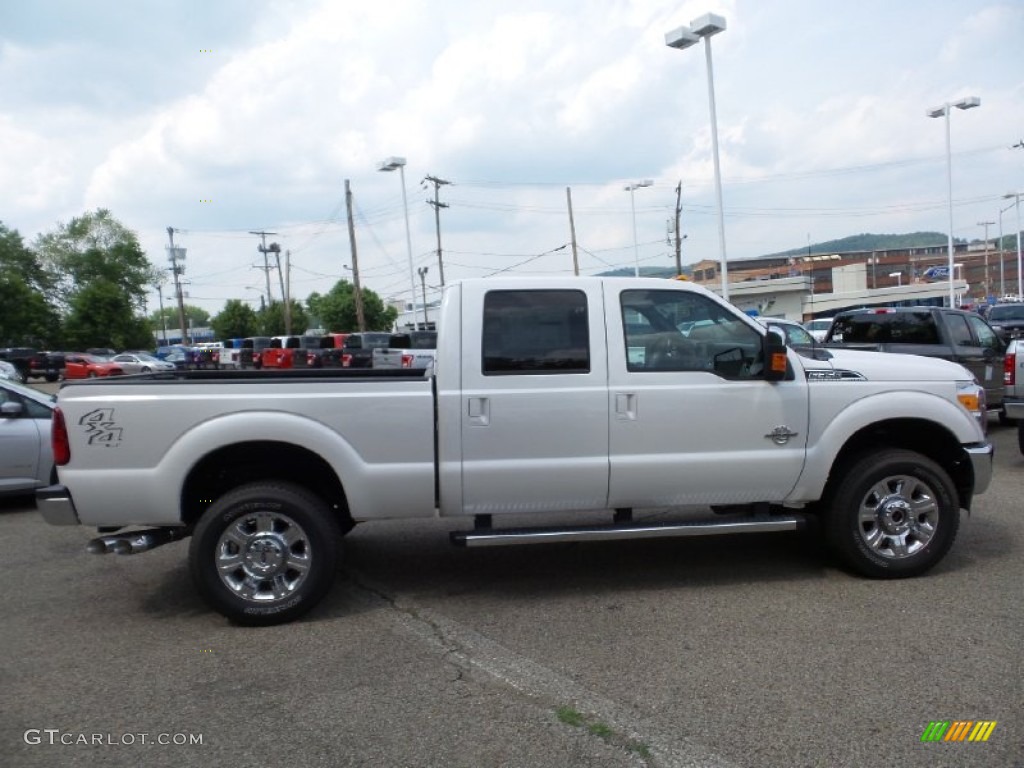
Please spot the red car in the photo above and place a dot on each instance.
(89, 367)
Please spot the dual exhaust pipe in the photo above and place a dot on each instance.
(134, 542)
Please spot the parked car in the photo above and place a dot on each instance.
(1013, 377)
(818, 328)
(794, 334)
(141, 363)
(89, 367)
(10, 372)
(1007, 320)
(26, 456)
(358, 349)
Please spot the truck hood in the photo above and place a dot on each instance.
(881, 366)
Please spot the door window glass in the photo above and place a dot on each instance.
(684, 331)
(529, 332)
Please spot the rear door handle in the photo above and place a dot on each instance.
(625, 406)
(479, 411)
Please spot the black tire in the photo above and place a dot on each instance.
(145, 369)
(1005, 420)
(290, 530)
(92, 374)
(52, 377)
(893, 515)
(1020, 435)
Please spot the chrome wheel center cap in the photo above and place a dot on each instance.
(894, 515)
(264, 556)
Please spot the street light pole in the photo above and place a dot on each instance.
(988, 286)
(1020, 277)
(631, 188)
(943, 111)
(705, 26)
(391, 164)
(423, 283)
(1002, 252)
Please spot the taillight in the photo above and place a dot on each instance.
(346, 361)
(59, 439)
(1009, 368)
(407, 361)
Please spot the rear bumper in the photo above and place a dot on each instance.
(55, 504)
(1014, 407)
(981, 455)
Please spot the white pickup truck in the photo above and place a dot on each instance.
(549, 399)
(1013, 379)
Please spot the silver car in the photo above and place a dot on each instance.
(9, 372)
(26, 458)
(141, 363)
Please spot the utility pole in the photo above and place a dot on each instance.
(423, 285)
(286, 290)
(679, 236)
(178, 270)
(572, 232)
(360, 317)
(266, 265)
(437, 205)
(163, 318)
(986, 225)
(276, 250)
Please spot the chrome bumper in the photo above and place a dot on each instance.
(980, 455)
(55, 504)
(1014, 408)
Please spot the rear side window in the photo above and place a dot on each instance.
(960, 331)
(883, 328)
(530, 332)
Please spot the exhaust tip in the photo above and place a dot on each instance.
(121, 547)
(97, 547)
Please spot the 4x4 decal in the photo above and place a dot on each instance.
(101, 428)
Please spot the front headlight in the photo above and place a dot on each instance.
(972, 397)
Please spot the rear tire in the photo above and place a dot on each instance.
(895, 514)
(1020, 435)
(265, 553)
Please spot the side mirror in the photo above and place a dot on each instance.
(776, 357)
(11, 410)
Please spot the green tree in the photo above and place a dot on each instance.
(99, 279)
(236, 321)
(198, 316)
(28, 317)
(336, 310)
(272, 319)
(101, 315)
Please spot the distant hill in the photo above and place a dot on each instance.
(868, 242)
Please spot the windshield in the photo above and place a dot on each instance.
(1004, 312)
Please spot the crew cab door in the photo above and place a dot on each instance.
(692, 420)
(534, 401)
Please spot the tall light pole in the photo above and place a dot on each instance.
(988, 286)
(1020, 282)
(943, 111)
(423, 284)
(390, 164)
(632, 188)
(705, 26)
(1002, 279)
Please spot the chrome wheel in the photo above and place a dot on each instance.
(263, 557)
(898, 516)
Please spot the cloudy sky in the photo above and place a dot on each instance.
(225, 116)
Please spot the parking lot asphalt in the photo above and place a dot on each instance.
(733, 651)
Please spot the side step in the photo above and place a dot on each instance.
(496, 537)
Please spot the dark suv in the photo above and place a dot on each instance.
(1007, 320)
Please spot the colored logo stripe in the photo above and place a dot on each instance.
(958, 730)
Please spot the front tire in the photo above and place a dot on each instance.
(895, 514)
(265, 553)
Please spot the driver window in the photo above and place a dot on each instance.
(986, 336)
(684, 331)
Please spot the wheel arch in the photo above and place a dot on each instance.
(919, 435)
(231, 466)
